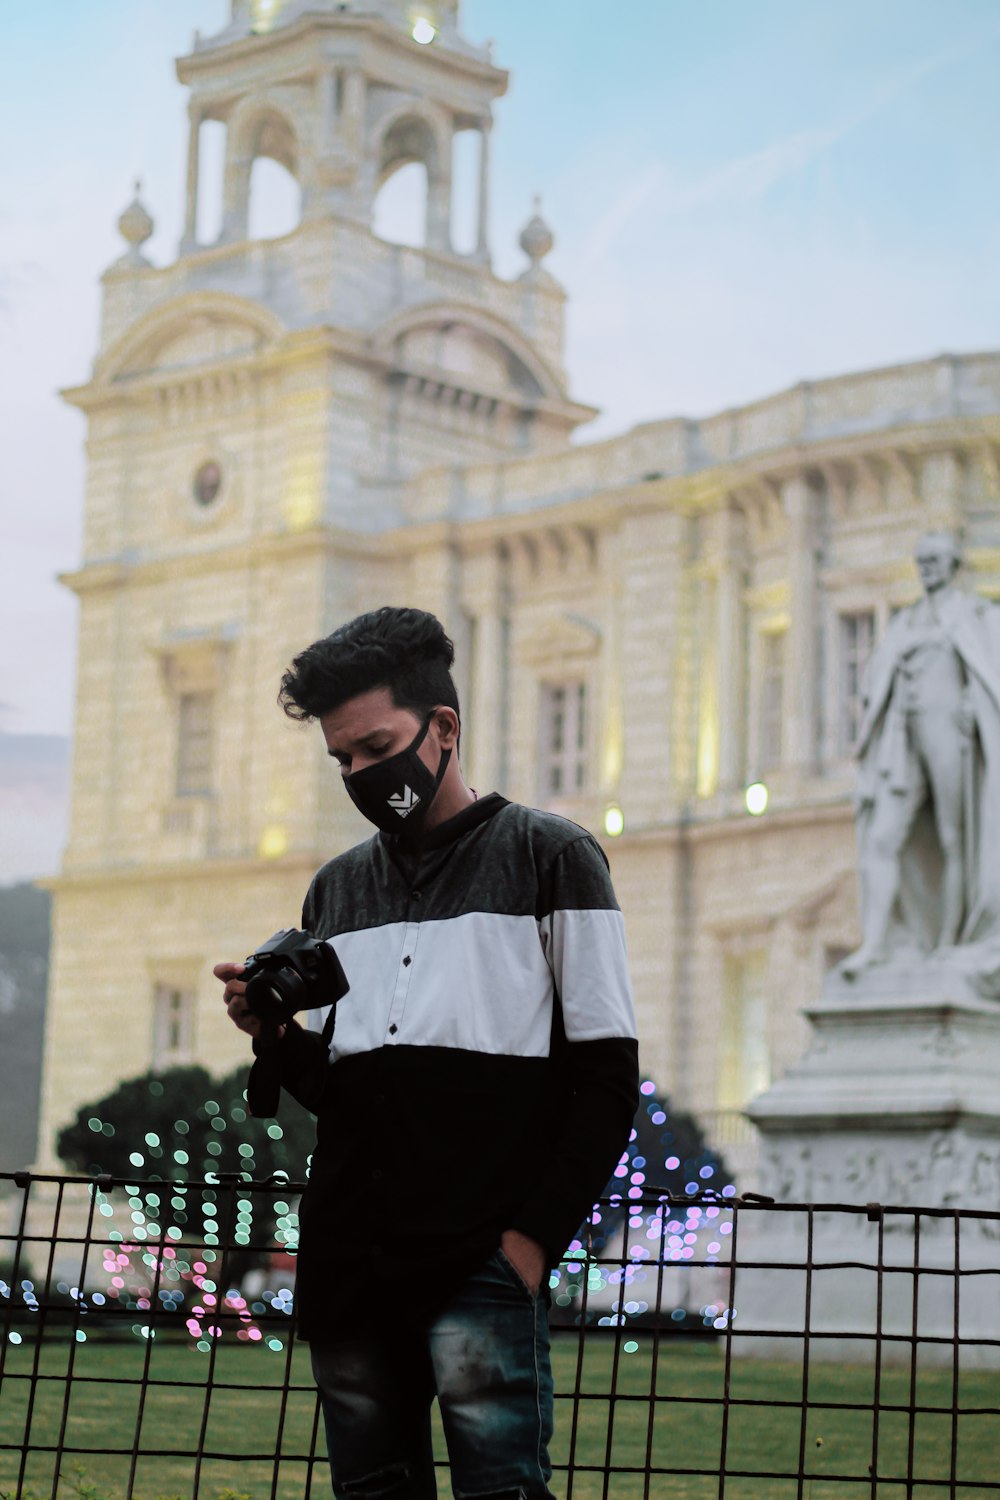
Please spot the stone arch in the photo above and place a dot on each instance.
(135, 353)
(527, 371)
(412, 134)
(259, 126)
(407, 135)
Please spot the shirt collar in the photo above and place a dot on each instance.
(452, 829)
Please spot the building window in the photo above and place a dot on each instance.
(564, 739)
(857, 636)
(194, 744)
(772, 692)
(744, 1048)
(173, 1008)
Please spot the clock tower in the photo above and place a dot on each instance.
(276, 433)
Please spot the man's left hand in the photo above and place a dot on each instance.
(526, 1256)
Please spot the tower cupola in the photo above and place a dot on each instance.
(343, 95)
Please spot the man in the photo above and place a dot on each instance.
(477, 1091)
(929, 756)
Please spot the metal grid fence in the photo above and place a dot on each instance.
(705, 1347)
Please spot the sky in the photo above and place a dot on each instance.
(744, 193)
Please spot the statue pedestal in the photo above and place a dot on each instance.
(895, 1103)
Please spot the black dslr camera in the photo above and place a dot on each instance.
(292, 971)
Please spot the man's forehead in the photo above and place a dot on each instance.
(364, 715)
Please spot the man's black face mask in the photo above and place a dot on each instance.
(395, 794)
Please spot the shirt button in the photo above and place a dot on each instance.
(407, 961)
(393, 1029)
(415, 895)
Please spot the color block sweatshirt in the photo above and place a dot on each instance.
(481, 1072)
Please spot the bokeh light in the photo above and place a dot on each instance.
(755, 798)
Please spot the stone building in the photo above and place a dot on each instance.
(283, 432)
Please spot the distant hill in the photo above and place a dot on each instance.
(34, 803)
(24, 967)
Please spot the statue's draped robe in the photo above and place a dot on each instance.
(972, 625)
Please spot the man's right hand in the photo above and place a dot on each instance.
(234, 997)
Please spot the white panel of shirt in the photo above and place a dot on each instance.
(483, 982)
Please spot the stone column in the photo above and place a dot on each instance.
(801, 674)
(941, 489)
(611, 666)
(189, 241)
(434, 581)
(326, 110)
(731, 635)
(483, 234)
(235, 195)
(353, 110)
(439, 201)
(755, 675)
(485, 592)
(706, 615)
(658, 702)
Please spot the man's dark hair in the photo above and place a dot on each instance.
(405, 650)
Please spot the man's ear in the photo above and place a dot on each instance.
(448, 726)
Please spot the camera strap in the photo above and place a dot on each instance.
(264, 1083)
(329, 1025)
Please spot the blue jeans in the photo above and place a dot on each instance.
(485, 1357)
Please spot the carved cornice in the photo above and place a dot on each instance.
(94, 879)
(568, 638)
(567, 551)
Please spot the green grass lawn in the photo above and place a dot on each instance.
(598, 1434)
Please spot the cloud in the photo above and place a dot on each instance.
(609, 226)
(746, 178)
(740, 180)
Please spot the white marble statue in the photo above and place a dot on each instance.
(929, 781)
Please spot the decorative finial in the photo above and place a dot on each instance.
(536, 238)
(135, 227)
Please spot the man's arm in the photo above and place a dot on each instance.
(583, 931)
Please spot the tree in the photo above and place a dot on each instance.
(183, 1126)
(669, 1164)
(182, 1123)
(667, 1153)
